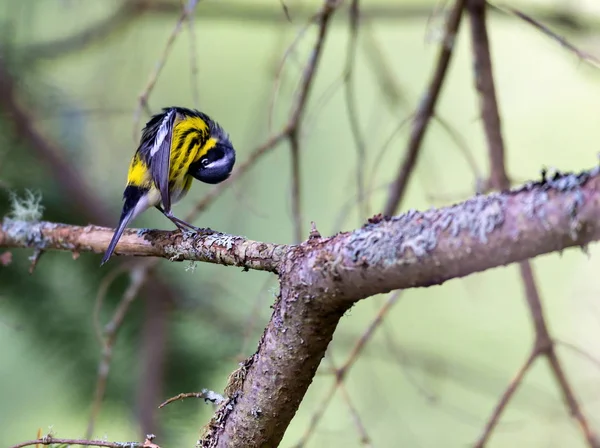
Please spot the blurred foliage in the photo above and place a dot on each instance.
(456, 346)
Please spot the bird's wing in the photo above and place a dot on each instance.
(160, 155)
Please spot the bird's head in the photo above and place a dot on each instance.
(218, 157)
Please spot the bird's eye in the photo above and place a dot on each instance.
(204, 162)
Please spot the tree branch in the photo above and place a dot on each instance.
(409, 250)
(485, 86)
(49, 440)
(426, 109)
(322, 277)
(498, 179)
(216, 248)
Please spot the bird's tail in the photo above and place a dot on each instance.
(125, 218)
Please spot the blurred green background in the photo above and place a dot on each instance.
(432, 375)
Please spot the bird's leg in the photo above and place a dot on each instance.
(181, 224)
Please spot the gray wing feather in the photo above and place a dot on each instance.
(160, 155)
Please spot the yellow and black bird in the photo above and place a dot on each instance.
(177, 146)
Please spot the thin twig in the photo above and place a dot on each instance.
(498, 179)
(138, 276)
(393, 94)
(143, 98)
(463, 147)
(109, 27)
(563, 42)
(49, 440)
(342, 371)
(365, 440)
(425, 110)
(286, 10)
(206, 395)
(194, 62)
(100, 295)
(570, 399)
(218, 189)
(352, 109)
(298, 111)
(279, 70)
(484, 84)
(379, 157)
(296, 186)
(291, 129)
(264, 13)
(504, 399)
(579, 351)
(401, 360)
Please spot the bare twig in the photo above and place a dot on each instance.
(122, 17)
(138, 276)
(392, 92)
(484, 83)
(238, 172)
(499, 180)
(194, 62)
(462, 146)
(393, 96)
(561, 14)
(579, 351)
(100, 295)
(290, 131)
(49, 440)
(379, 157)
(206, 395)
(584, 56)
(296, 186)
(298, 110)
(341, 372)
(154, 345)
(143, 99)
(281, 65)
(365, 440)
(545, 346)
(504, 400)
(286, 10)
(351, 107)
(425, 110)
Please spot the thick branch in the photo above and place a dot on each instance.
(410, 250)
(322, 278)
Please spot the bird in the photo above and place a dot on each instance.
(176, 146)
